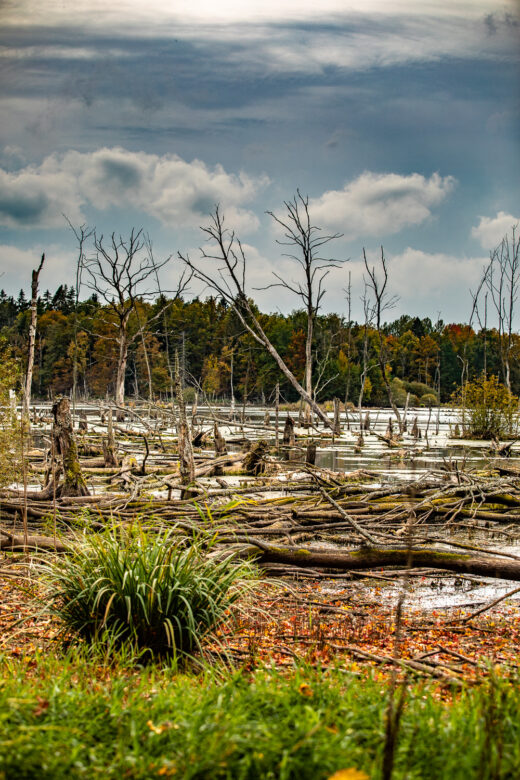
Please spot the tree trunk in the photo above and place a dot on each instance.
(186, 462)
(308, 365)
(377, 558)
(109, 444)
(337, 413)
(32, 338)
(288, 433)
(65, 445)
(121, 372)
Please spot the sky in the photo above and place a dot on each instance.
(399, 120)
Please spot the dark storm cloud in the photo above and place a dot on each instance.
(22, 209)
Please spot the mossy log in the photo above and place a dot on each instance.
(381, 557)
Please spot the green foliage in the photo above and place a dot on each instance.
(419, 389)
(74, 718)
(489, 409)
(145, 590)
(429, 399)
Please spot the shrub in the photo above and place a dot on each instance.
(418, 388)
(429, 399)
(489, 409)
(146, 590)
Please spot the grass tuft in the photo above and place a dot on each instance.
(146, 591)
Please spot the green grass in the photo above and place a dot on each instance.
(74, 718)
(145, 590)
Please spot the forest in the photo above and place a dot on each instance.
(428, 360)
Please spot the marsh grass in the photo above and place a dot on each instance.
(76, 717)
(145, 590)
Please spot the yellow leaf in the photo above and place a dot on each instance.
(306, 690)
(349, 774)
(155, 729)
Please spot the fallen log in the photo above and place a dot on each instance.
(381, 557)
(20, 543)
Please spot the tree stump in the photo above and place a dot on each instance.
(337, 413)
(288, 433)
(220, 449)
(310, 455)
(109, 445)
(65, 446)
(254, 462)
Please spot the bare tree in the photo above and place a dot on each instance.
(382, 302)
(82, 234)
(299, 232)
(228, 280)
(368, 311)
(501, 279)
(119, 273)
(32, 338)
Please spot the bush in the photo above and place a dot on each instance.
(489, 409)
(429, 399)
(419, 388)
(145, 590)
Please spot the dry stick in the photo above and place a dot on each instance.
(348, 518)
(489, 606)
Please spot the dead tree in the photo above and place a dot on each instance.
(228, 281)
(501, 279)
(65, 447)
(382, 302)
(82, 234)
(289, 438)
(118, 273)
(32, 338)
(306, 238)
(109, 444)
(186, 461)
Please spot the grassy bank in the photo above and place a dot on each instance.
(75, 717)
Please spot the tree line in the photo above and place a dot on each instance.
(428, 359)
(129, 337)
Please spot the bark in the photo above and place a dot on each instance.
(32, 338)
(254, 462)
(186, 462)
(337, 413)
(65, 446)
(121, 369)
(20, 543)
(380, 557)
(310, 455)
(288, 433)
(109, 445)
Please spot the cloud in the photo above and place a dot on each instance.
(380, 204)
(425, 283)
(16, 265)
(491, 230)
(172, 190)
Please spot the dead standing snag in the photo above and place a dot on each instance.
(306, 238)
(65, 446)
(228, 280)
